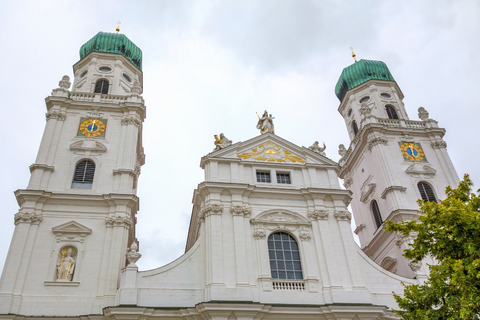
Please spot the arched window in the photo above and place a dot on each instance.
(284, 256)
(392, 113)
(101, 86)
(376, 214)
(426, 192)
(354, 127)
(83, 176)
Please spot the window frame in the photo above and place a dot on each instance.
(432, 191)
(391, 112)
(102, 88)
(292, 266)
(84, 183)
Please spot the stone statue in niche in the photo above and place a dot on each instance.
(265, 123)
(316, 148)
(66, 264)
(221, 142)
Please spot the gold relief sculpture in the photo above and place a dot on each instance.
(269, 151)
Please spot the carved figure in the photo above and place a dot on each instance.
(265, 123)
(316, 148)
(221, 142)
(136, 88)
(65, 82)
(66, 266)
(423, 114)
(132, 254)
(341, 150)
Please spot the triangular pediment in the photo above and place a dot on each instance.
(71, 227)
(269, 148)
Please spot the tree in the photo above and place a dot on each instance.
(449, 233)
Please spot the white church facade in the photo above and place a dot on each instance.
(270, 234)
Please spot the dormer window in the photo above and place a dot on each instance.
(101, 86)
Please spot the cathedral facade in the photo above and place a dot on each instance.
(270, 234)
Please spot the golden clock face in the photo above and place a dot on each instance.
(412, 151)
(92, 127)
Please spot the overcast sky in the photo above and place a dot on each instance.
(210, 65)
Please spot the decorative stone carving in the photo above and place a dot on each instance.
(241, 210)
(259, 234)
(136, 88)
(65, 82)
(133, 255)
(415, 266)
(269, 151)
(343, 215)
(317, 214)
(58, 115)
(280, 218)
(365, 110)
(341, 150)
(27, 217)
(212, 209)
(305, 236)
(221, 142)
(347, 182)
(377, 140)
(316, 148)
(421, 170)
(439, 144)
(66, 263)
(127, 120)
(265, 123)
(423, 114)
(116, 221)
(406, 138)
(88, 145)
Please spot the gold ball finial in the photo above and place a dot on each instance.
(118, 26)
(354, 56)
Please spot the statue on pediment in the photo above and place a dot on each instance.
(315, 147)
(221, 142)
(265, 123)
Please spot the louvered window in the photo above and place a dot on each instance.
(284, 257)
(83, 176)
(391, 112)
(354, 127)
(426, 192)
(101, 86)
(376, 214)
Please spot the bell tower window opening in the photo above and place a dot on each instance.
(284, 257)
(83, 176)
(376, 214)
(391, 112)
(426, 192)
(354, 127)
(102, 86)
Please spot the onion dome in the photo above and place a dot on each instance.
(359, 73)
(113, 43)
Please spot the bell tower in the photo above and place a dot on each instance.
(77, 214)
(391, 162)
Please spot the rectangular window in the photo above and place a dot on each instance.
(263, 177)
(283, 178)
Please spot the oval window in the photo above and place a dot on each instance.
(126, 77)
(83, 73)
(385, 95)
(364, 99)
(105, 69)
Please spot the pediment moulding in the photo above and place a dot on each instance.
(71, 232)
(390, 189)
(87, 145)
(44, 167)
(27, 217)
(276, 217)
(420, 170)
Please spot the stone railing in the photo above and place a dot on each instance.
(297, 285)
(400, 123)
(92, 97)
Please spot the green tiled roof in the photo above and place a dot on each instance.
(113, 43)
(360, 72)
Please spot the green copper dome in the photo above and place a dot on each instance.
(113, 43)
(360, 72)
